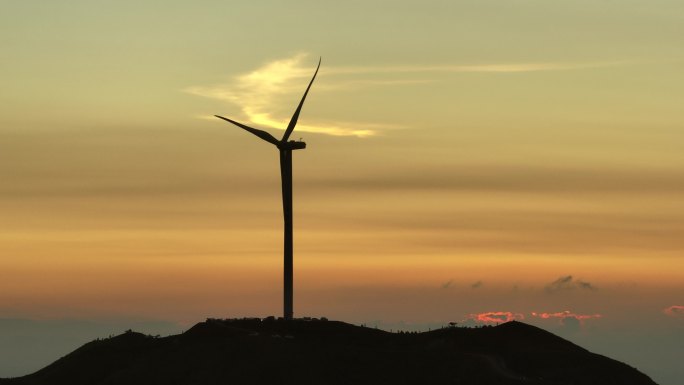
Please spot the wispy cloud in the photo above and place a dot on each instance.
(674, 311)
(566, 314)
(569, 321)
(495, 317)
(568, 283)
(257, 93)
(496, 68)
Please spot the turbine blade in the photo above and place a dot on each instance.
(293, 121)
(262, 134)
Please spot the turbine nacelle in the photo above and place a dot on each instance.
(292, 145)
(281, 144)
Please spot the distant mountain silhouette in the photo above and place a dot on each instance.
(270, 351)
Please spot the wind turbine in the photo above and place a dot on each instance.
(285, 148)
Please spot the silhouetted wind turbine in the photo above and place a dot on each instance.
(285, 147)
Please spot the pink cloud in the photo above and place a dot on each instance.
(495, 317)
(674, 311)
(566, 314)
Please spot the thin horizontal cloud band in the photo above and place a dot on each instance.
(476, 178)
(498, 68)
(255, 93)
(515, 179)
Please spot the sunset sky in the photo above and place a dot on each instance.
(467, 161)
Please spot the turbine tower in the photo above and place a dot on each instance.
(285, 148)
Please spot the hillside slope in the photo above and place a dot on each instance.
(328, 352)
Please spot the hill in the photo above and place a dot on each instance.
(270, 351)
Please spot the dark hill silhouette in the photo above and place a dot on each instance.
(269, 351)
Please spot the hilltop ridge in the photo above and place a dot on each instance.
(256, 351)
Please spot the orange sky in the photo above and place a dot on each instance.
(461, 158)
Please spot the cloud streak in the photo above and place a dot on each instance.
(568, 283)
(566, 314)
(256, 93)
(482, 68)
(495, 317)
(569, 321)
(516, 179)
(674, 311)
